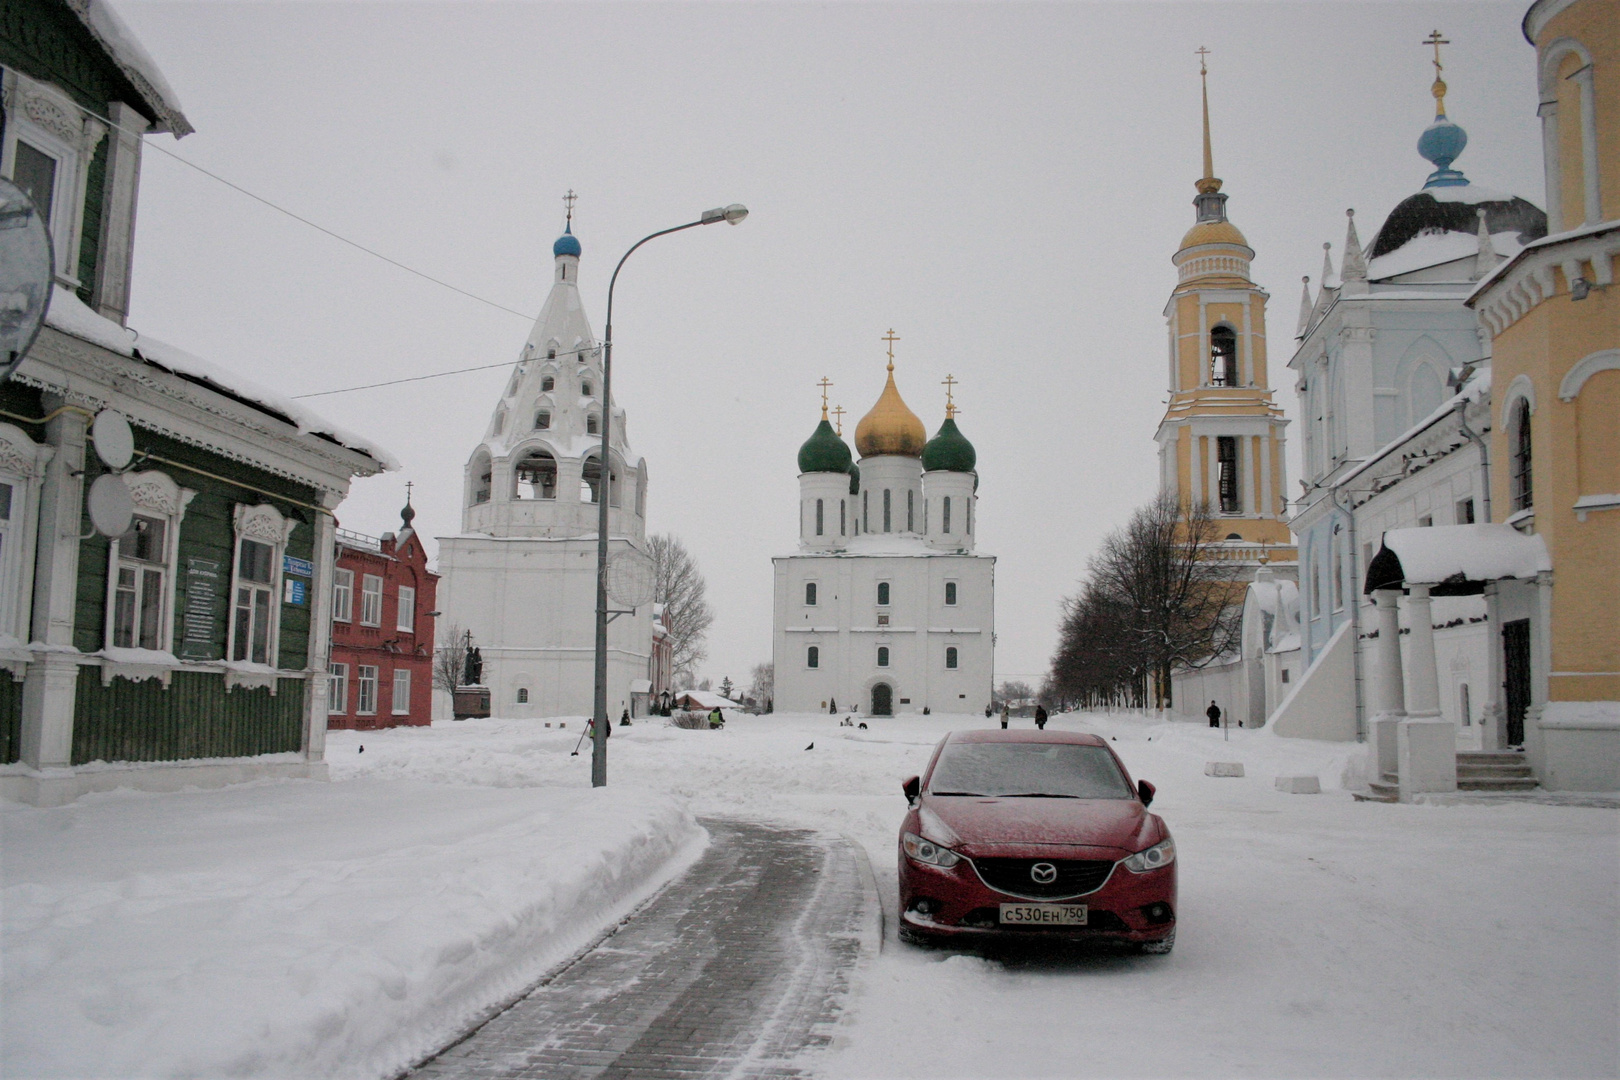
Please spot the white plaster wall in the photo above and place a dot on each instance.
(1323, 702)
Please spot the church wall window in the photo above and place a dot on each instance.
(536, 475)
(820, 514)
(591, 480)
(945, 515)
(482, 473)
(1223, 356)
(342, 595)
(499, 424)
(866, 511)
(548, 384)
(551, 351)
(950, 594)
(809, 594)
(950, 657)
(542, 420)
(591, 427)
(843, 513)
(1520, 475)
(883, 656)
(523, 695)
(911, 511)
(970, 515)
(883, 593)
(1465, 511)
(925, 517)
(887, 494)
(1226, 454)
(812, 657)
(1336, 568)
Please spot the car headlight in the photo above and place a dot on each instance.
(1161, 854)
(926, 851)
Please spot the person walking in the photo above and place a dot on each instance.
(1040, 717)
(1214, 714)
(624, 721)
(1006, 711)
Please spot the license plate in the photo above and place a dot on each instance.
(1043, 914)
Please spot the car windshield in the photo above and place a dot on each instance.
(1036, 770)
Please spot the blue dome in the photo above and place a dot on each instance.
(1442, 142)
(567, 244)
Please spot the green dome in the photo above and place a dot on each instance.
(854, 478)
(949, 450)
(824, 451)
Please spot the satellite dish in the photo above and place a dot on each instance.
(115, 443)
(26, 261)
(631, 579)
(111, 508)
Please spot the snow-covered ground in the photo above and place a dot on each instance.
(307, 929)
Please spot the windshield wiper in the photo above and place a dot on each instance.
(1037, 795)
(969, 794)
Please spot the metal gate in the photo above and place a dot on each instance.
(1516, 664)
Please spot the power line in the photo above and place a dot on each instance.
(442, 374)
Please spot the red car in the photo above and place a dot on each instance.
(1034, 834)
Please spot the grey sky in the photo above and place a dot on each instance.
(1002, 184)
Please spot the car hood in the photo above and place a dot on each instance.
(991, 823)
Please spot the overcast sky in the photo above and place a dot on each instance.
(1003, 184)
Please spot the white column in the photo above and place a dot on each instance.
(1426, 747)
(1589, 146)
(1424, 701)
(1195, 466)
(320, 633)
(1251, 501)
(1268, 500)
(1390, 687)
(1493, 737)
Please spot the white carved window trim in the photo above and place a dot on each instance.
(22, 465)
(1569, 387)
(155, 495)
(266, 525)
(51, 122)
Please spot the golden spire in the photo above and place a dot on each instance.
(839, 413)
(891, 337)
(1208, 183)
(949, 383)
(824, 383)
(1439, 87)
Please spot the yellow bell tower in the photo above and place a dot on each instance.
(1222, 437)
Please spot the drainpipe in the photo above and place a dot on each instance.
(1355, 619)
(1484, 456)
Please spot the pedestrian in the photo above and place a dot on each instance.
(1214, 714)
(1040, 717)
(624, 721)
(716, 719)
(1006, 711)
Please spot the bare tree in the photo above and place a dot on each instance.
(449, 658)
(763, 690)
(1014, 693)
(680, 587)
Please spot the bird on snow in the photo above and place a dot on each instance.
(812, 746)
(362, 749)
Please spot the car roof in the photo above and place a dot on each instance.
(1024, 735)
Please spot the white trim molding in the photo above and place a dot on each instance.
(1520, 387)
(1569, 387)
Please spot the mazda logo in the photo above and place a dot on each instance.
(1043, 873)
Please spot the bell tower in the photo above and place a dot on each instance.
(1221, 440)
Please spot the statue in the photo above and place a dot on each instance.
(473, 670)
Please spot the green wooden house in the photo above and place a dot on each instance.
(192, 649)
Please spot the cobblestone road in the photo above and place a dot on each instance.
(738, 969)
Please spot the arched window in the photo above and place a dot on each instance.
(1223, 357)
(886, 516)
(950, 594)
(548, 384)
(1226, 455)
(883, 592)
(945, 514)
(809, 594)
(536, 475)
(843, 514)
(523, 695)
(812, 656)
(591, 427)
(542, 420)
(883, 656)
(481, 473)
(1519, 466)
(818, 517)
(551, 351)
(866, 511)
(950, 657)
(499, 424)
(591, 479)
(1426, 392)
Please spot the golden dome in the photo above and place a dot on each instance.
(890, 428)
(1213, 232)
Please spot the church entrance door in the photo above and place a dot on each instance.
(882, 700)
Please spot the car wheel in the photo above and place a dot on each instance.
(1158, 948)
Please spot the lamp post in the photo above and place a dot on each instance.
(604, 492)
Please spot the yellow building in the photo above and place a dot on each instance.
(1554, 318)
(1221, 440)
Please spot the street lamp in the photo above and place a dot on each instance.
(733, 214)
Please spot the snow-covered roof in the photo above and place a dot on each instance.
(1428, 249)
(126, 51)
(69, 315)
(707, 699)
(1457, 554)
(1476, 389)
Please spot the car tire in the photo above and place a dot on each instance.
(1158, 948)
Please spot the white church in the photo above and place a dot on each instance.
(886, 608)
(521, 574)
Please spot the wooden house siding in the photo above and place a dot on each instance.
(95, 200)
(195, 717)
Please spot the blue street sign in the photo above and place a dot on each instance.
(301, 567)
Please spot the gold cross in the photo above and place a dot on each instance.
(950, 404)
(568, 201)
(824, 383)
(408, 486)
(891, 337)
(1202, 53)
(1439, 87)
(1436, 40)
(839, 412)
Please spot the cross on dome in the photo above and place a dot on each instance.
(838, 411)
(1439, 87)
(949, 383)
(824, 383)
(568, 201)
(891, 337)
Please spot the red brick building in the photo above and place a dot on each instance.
(384, 598)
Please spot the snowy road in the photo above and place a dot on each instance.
(739, 968)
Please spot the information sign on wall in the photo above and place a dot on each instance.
(201, 636)
(300, 567)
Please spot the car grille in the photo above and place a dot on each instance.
(1075, 877)
(1097, 922)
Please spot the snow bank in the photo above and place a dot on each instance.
(300, 929)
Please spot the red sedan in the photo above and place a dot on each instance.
(1026, 834)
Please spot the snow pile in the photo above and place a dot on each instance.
(300, 929)
(1467, 552)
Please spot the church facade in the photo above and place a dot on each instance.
(521, 574)
(886, 608)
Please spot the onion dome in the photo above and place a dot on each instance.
(1213, 232)
(890, 428)
(949, 451)
(1457, 210)
(407, 515)
(567, 243)
(824, 451)
(1443, 142)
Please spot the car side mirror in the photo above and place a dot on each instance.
(913, 788)
(1144, 791)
